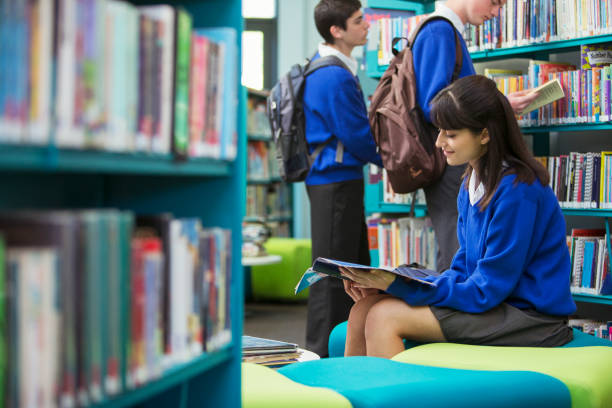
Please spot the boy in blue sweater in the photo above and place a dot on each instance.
(334, 108)
(508, 284)
(434, 64)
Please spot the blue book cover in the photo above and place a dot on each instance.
(587, 264)
(227, 36)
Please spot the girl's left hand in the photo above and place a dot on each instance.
(373, 278)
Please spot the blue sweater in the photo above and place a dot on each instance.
(434, 61)
(514, 251)
(334, 105)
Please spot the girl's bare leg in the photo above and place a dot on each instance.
(355, 332)
(391, 319)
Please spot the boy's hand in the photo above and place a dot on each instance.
(521, 99)
(371, 279)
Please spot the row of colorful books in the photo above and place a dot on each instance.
(590, 262)
(262, 163)
(379, 175)
(118, 77)
(99, 301)
(587, 90)
(258, 123)
(595, 328)
(268, 201)
(581, 180)
(522, 22)
(402, 240)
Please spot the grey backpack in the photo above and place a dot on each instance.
(285, 111)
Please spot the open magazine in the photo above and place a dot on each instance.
(323, 267)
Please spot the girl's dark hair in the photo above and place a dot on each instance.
(475, 103)
(330, 13)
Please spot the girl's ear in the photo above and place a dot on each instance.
(484, 137)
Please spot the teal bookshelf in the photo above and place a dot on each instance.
(212, 190)
(373, 193)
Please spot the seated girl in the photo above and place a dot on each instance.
(509, 282)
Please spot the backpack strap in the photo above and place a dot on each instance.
(458, 51)
(312, 66)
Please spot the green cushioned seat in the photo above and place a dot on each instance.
(377, 382)
(584, 370)
(263, 387)
(277, 282)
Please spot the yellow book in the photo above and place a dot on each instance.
(547, 93)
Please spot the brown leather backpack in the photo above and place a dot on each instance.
(406, 141)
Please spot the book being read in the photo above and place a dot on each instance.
(323, 267)
(547, 93)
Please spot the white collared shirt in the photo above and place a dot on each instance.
(476, 193)
(350, 62)
(442, 10)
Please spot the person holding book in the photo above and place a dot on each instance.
(335, 110)
(508, 284)
(434, 64)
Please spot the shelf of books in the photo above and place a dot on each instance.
(268, 197)
(530, 32)
(122, 170)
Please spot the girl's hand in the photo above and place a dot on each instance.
(357, 293)
(370, 279)
(521, 99)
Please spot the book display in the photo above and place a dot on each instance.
(268, 197)
(122, 177)
(535, 32)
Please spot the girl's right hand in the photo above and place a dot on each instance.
(357, 293)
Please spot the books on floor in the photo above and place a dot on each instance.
(268, 352)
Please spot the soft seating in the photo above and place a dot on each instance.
(277, 282)
(377, 382)
(584, 370)
(263, 387)
(337, 340)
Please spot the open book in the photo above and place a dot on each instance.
(323, 267)
(547, 93)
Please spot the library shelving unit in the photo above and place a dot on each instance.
(278, 216)
(212, 190)
(541, 139)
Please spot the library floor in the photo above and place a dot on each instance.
(278, 321)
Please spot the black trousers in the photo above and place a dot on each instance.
(338, 231)
(441, 200)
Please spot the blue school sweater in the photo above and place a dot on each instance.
(434, 61)
(514, 251)
(334, 105)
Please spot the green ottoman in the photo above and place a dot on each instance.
(584, 370)
(370, 382)
(277, 282)
(263, 387)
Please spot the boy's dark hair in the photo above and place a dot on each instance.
(330, 13)
(475, 103)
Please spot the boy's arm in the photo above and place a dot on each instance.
(346, 116)
(434, 61)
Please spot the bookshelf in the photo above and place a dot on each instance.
(213, 190)
(268, 197)
(541, 134)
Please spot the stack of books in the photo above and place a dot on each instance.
(268, 352)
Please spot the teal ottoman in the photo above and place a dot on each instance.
(376, 382)
(337, 340)
(277, 282)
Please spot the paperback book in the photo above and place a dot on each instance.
(324, 267)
